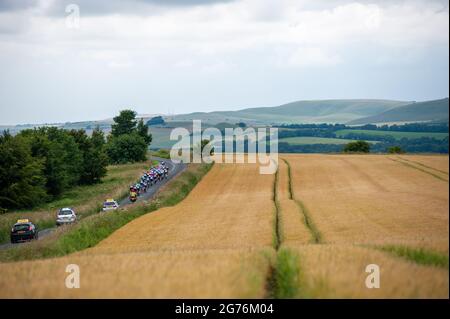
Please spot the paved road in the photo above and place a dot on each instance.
(174, 169)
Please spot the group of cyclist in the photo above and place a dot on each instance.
(148, 178)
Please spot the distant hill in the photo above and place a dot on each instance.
(436, 111)
(320, 111)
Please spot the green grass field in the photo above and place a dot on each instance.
(307, 140)
(396, 135)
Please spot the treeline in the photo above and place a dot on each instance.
(417, 145)
(38, 165)
(385, 142)
(408, 127)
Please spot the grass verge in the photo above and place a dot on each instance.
(90, 231)
(163, 153)
(85, 200)
(418, 255)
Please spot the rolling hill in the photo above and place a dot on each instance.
(436, 110)
(314, 111)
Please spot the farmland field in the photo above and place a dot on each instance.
(396, 135)
(307, 140)
(360, 208)
(213, 244)
(329, 216)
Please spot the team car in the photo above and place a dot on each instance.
(23, 230)
(110, 204)
(65, 216)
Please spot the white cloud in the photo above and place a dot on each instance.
(225, 38)
(311, 57)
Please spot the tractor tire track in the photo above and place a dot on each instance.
(419, 169)
(315, 233)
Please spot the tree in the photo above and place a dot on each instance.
(125, 123)
(127, 148)
(94, 155)
(142, 130)
(357, 147)
(157, 120)
(203, 144)
(128, 143)
(60, 154)
(395, 150)
(22, 182)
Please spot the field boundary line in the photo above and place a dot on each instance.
(315, 233)
(419, 169)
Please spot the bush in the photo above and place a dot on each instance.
(395, 150)
(357, 147)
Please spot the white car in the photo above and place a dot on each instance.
(110, 204)
(65, 216)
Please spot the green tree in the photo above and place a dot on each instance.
(129, 140)
(395, 150)
(94, 155)
(60, 154)
(124, 123)
(127, 148)
(22, 182)
(97, 167)
(203, 143)
(142, 130)
(357, 147)
(157, 120)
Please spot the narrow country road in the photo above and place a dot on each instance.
(174, 169)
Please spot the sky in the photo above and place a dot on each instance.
(80, 60)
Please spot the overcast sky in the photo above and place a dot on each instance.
(180, 56)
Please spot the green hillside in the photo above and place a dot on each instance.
(436, 110)
(307, 140)
(394, 134)
(320, 111)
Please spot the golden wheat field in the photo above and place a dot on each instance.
(334, 213)
(372, 200)
(356, 202)
(213, 244)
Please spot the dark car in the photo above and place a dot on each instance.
(23, 230)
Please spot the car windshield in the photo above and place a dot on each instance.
(109, 204)
(21, 227)
(65, 212)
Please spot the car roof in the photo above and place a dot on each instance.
(23, 223)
